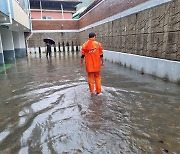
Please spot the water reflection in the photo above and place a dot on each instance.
(95, 113)
(45, 107)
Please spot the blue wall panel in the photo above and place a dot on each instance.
(4, 7)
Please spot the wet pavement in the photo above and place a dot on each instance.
(46, 108)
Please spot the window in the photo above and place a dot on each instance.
(47, 17)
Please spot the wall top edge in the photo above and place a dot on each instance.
(54, 31)
(38, 10)
(54, 19)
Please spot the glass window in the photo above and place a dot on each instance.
(47, 17)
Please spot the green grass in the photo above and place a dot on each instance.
(6, 66)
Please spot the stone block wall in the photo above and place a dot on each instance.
(154, 32)
(37, 39)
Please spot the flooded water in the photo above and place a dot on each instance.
(46, 108)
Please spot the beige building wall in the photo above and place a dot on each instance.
(20, 15)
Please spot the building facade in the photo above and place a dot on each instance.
(14, 22)
(53, 9)
(53, 15)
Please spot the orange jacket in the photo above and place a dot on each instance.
(92, 51)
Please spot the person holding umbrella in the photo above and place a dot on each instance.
(48, 42)
(48, 50)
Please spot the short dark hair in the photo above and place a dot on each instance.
(92, 34)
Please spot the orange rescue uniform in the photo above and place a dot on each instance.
(92, 50)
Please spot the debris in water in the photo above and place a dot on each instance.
(13, 91)
(165, 150)
(161, 141)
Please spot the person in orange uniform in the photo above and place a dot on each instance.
(93, 55)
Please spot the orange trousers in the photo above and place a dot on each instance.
(94, 78)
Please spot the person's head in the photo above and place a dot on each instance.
(92, 35)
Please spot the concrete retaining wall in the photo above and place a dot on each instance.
(154, 32)
(166, 69)
(59, 37)
(145, 38)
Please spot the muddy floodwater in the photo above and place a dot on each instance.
(46, 108)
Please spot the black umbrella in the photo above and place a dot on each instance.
(49, 40)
